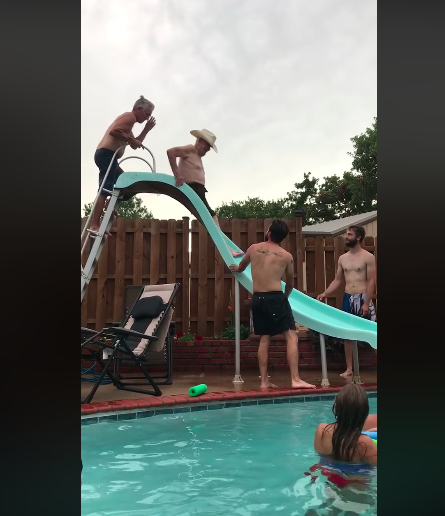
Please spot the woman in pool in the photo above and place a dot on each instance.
(346, 455)
(343, 440)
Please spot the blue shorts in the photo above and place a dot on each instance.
(352, 303)
(102, 158)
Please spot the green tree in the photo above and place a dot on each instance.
(364, 163)
(253, 208)
(335, 197)
(131, 209)
(331, 198)
(304, 197)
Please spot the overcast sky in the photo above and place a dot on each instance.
(284, 85)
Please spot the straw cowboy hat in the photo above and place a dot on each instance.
(207, 136)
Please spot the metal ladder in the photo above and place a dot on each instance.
(99, 236)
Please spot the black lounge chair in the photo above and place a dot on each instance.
(143, 335)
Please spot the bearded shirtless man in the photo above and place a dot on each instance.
(357, 269)
(191, 170)
(119, 133)
(271, 311)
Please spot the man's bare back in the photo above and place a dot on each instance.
(269, 262)
(271, 310)
(355, 267)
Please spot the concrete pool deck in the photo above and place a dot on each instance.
(220, 388)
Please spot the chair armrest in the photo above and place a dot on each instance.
(128, 333)
(87, 332)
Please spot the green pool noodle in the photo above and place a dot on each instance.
(375, 440)
(198, 389)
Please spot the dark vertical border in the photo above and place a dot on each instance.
(40, 175)
(411, 206)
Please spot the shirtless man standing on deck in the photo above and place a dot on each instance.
(271, 311)
(119, 133)
(191, 170)
(357, 268)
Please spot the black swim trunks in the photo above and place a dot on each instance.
(201, 191)
(271, 313)
(102, 158)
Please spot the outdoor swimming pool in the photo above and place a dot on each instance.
(245, 461)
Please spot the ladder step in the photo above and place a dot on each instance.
(107, 191)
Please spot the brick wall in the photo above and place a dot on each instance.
(219, 355)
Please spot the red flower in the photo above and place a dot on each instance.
(178, 335)
(198, 337)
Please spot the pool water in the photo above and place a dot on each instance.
(244, 461)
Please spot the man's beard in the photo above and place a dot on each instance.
(351, 243)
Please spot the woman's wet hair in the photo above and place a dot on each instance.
(351, 408)
(278, 231)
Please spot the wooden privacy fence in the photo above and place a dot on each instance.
(144, 252)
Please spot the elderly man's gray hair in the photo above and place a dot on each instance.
(143, 103)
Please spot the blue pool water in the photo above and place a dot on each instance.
(244, 461)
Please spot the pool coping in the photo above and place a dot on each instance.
(126, 409)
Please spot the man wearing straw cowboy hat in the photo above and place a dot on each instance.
(190, 169)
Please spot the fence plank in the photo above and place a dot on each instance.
(101, 286)
(329, 256)
(119, 281)
(339, 249)
(155, 245)
(310, 266)
(194, 271)
(202, 282)
(236, 231)
(320, 280)
(236, 238)
(171, 251)
(185, 284)
(138, 251)
(251, 233)
(219, 294)
(300, 254)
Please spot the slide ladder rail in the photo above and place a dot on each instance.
(98, 237)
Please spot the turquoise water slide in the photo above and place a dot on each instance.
(307, 311)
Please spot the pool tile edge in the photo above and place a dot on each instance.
(124, 410)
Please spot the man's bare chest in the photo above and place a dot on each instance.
(354, 265)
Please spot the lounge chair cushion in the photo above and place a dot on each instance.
(150, 306)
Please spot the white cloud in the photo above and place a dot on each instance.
(284, 85)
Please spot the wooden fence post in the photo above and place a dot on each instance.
(185, 274)
(300, 251)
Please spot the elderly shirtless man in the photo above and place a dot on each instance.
(271, 311)
(119, 133)
(191, 171)
(357, 268)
